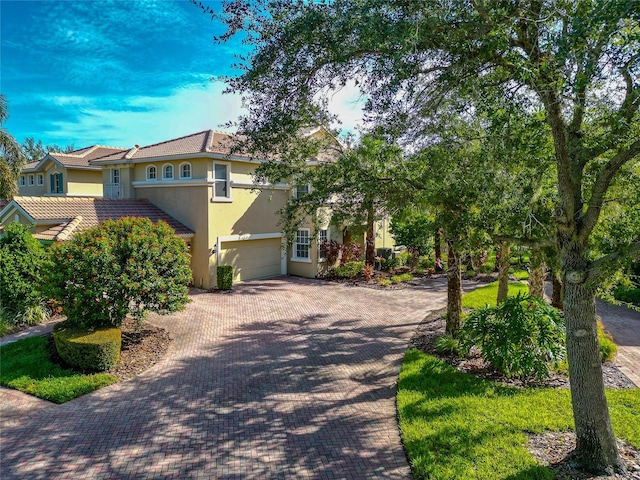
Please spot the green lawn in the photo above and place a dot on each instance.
(456, 426)
(488, 294)
(26, 367)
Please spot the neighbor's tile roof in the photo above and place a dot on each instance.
(207, 141)
(81, 157)
(78, 213)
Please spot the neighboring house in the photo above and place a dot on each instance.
(58, 218)
(203, 191)
(65, 174)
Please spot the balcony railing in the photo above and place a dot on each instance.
(112, 190)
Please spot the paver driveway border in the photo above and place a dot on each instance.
(284, 378)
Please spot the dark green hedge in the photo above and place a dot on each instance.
(225, 277)
(98, 350)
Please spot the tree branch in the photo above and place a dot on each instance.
(601, 186)
(527, 242)
(603, 267)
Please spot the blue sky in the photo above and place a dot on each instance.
(119, 73)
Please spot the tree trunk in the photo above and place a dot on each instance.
(454, 291)
(596, 447)
(503, 271)
(536, 274)
(437, 240)
(370, 249)
(556, 295)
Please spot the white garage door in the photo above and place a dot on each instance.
(252, 259)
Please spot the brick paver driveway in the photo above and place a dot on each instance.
(285, 378)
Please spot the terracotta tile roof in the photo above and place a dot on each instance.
(30, 165)
(78, 213)
(207, 141)
(81, 158)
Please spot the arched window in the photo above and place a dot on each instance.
(167, 172)
(152, 172)
(56, 183)
(185, 170)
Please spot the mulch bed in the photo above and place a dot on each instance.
(141, 349)
(551, 449)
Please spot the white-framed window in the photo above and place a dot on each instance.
(115, 175)
(167, 172)
(302, 245)
(323, 236)
(185, 170)
(56, 185)
(32, 180)
(221, 180)
(300, 191)
(40, 179)
(152, 172)
(23, 181)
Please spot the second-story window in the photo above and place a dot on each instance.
(32, 180)
(301, 190)
(221, 181)
(40, 179)
(167, 172)
(23, 181)
(152, 172)
(185, 170)
(56, 183)
(115, 175)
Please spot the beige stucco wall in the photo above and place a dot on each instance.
(383, 234)
(82, 182)
(34, 190)
(126, 174)
(188, 205)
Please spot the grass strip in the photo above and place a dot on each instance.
(455, 425)
(26, 366)
(487, 294)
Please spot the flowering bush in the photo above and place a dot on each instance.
(121, 267)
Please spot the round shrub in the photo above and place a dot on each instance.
(349, 270)
(225, 277)
(520, 338)
(128, 266)
(98, 350)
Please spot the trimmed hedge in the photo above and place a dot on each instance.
(98, 350)
(225, 277)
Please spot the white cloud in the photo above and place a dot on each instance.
(347, 103)
(145, 120)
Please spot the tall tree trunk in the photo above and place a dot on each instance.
(370, 250)
(596, 447)
(454, 290)
(437, 240)
(556, 294)
(536, 273)
(503, 271)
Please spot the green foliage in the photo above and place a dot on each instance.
(519, 338)
(456, 426)
(520, 274)
(404, 277)
(32, 315)
(389, 264)
(349, 270)
(26, 366)
(225, 277)
(426, 262)
(447, 345)
(97, 350)
(608, 348)
(414, 231)
(22, 258)
(487, 294)
(121, 267)
(627, 293)
(12, 158)
(384, 282)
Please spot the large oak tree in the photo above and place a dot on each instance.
(578, 62)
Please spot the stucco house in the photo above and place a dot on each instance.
(65, 174)
(205, 192)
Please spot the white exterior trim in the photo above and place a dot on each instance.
(200, 182)
(294, 258)
(260, 186)
(252, 236)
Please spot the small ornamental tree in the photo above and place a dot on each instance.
(129, 266)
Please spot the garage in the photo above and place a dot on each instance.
(252, 256)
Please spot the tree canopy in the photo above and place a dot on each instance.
(576, 64)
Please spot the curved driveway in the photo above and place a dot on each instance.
(285, 378)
